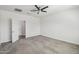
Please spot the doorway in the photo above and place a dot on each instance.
(17, 29)
(23, 30)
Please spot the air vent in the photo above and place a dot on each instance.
(19, 10)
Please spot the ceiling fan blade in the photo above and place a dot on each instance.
(44, 8)
(33, 10)
(44, 11)
(37, 7)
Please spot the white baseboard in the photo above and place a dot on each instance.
(62, 40)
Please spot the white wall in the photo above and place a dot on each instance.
(4, 28)
(63, 26)
(32, 25)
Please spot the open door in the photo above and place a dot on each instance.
(15, 30)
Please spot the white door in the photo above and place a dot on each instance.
(15, 30)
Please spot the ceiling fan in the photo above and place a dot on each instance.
(39, 9)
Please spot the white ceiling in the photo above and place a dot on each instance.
(26, 9)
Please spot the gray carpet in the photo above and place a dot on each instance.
(42, 45)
